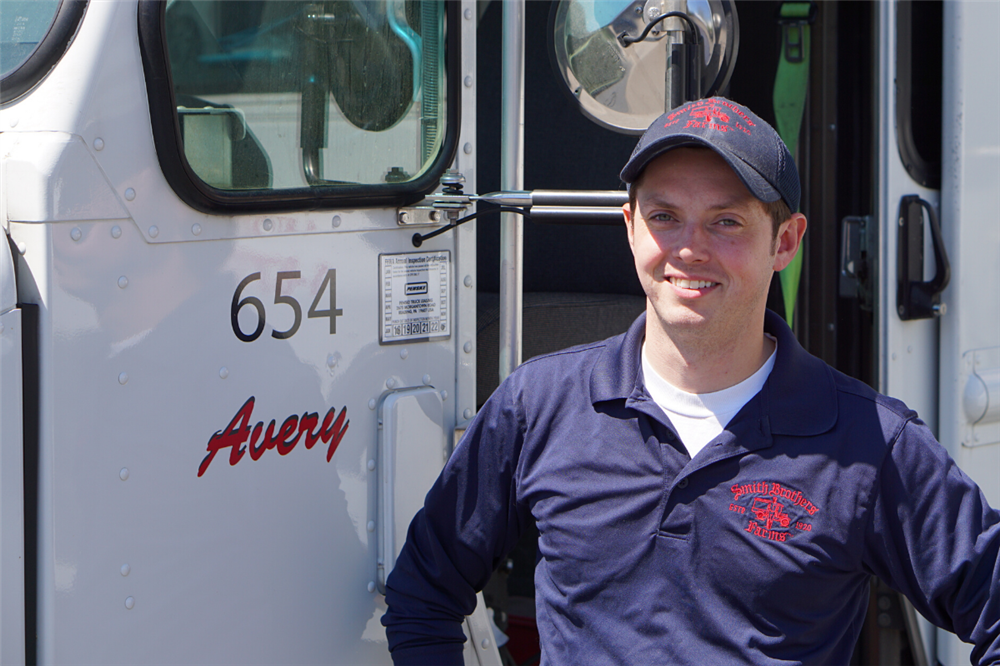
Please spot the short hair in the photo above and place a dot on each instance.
(778, 210)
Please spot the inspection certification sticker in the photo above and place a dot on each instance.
(416, 296)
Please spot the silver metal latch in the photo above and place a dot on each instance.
(981, 396)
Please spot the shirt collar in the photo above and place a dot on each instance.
(616, 373)
(801, 389)
(801, 393)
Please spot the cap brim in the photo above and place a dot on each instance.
(750, 177)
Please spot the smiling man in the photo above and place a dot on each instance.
(705, 250)
(705, 491)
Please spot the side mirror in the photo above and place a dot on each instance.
(624, 81)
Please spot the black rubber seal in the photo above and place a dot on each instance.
(203, 197)
(49, 51)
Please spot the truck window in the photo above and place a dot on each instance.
(34, 34)
(298, 100)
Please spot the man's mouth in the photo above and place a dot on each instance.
(691, 284)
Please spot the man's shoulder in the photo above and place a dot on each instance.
(577, 354)
(812, 397)
(872, 416)
(571, 369)
(564, 367)
(854, 391)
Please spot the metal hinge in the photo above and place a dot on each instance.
(858, 263)
(442, 207)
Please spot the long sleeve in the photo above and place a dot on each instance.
(470, 520)
(933, 537)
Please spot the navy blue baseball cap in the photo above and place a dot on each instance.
(748, 144)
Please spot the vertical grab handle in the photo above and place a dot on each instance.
(412, 444)
(915, 298)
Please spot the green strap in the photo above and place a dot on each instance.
(790, 86)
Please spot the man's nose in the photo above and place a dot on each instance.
(691, 244)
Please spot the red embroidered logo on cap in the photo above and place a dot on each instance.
(711, 115)
(774, 511)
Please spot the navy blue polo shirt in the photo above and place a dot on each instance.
(758, 550)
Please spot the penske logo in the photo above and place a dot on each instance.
(416, 288)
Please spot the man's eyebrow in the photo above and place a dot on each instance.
(664, 202)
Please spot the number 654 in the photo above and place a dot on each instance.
(331, 312)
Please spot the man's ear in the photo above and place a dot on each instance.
(629, 227)
(789, 239)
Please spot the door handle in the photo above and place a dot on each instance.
(916, 298)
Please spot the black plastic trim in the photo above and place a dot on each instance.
(30, 399)
(49, 51)
(203, 197)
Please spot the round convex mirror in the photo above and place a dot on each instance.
(623, 88)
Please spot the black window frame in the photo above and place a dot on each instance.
(923, 167)
(205, 198)
(49, 51)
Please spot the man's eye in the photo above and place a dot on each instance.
(728, 223)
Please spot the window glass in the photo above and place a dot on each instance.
(23, 24)
(286, 94)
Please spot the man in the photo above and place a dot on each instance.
(705, 491)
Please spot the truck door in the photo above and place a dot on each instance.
(247, 372)
(938, 351)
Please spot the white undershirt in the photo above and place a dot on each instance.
(700, 417)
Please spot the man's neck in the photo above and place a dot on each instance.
(702, 362)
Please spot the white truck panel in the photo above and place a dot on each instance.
(11, 469)
(11, 492)
(970, 199)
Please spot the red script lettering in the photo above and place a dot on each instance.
(235, 435)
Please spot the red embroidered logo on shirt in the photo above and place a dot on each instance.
(774, 511)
